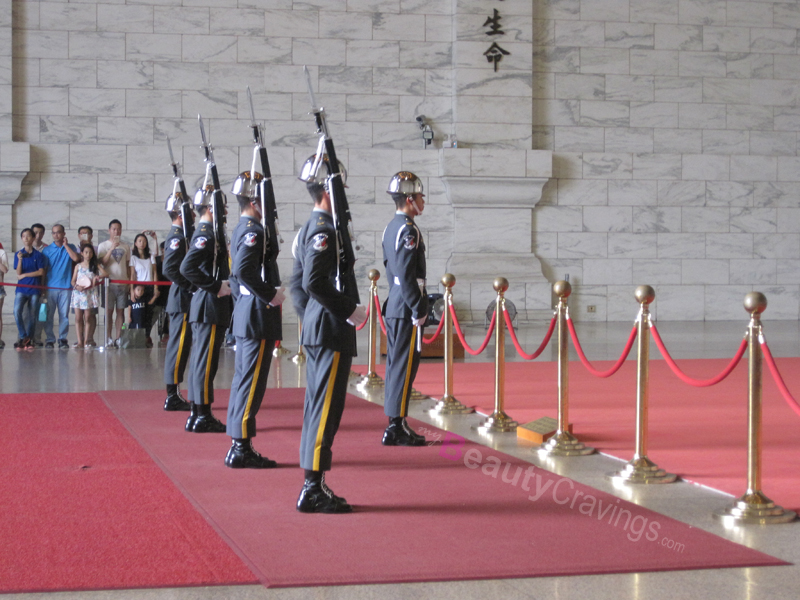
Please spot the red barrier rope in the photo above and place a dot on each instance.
(773, 368)
(685, 378)
(366, 320)
(587, 364)
(517, 345)
(27, 285)
(435, 335)
(128, 282)
(461, 333)
(380, 315)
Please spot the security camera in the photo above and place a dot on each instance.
(421, 120)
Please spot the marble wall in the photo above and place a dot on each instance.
(673, 126)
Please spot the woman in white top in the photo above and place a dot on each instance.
(143, 268)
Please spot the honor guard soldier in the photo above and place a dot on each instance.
(256, 321)
(328, 336)
(406, 308)
(180, 297)
(209, 312)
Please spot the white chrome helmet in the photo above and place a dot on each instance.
(314, 171)
(205, 197)
(174, 202)
(247, 184)
(405, 183)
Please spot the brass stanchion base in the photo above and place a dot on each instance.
(563, 443)
(299, 358)
(416, 396)
(371, 380)
(642, 470)
(755, 509)
(448, 405)
(280, 350)
(497, 422)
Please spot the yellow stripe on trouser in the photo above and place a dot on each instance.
(252, 390)
(208, 362)
(180, 349)
(323, 420)
(404, 400)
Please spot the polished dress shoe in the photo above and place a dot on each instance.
(174, 403)
(317, 497)
(207, 422)
(398, 433)
(242, 456)
(192, 416)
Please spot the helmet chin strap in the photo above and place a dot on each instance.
(417, 211)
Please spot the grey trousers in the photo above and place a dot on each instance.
(402, 362)
(253, 359)
(206, 342)
(178, 349)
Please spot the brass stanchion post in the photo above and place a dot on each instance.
(448, 405)
(300, 357)
(641, 469)
(754, 507)
(563, 443)
(499, 421)
(372, 379)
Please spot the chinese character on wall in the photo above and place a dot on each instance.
(495, 53)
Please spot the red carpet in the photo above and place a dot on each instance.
(420, 516)
(698, 433)
(82, 506)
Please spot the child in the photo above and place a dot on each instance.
(85, 278)
(3, 271)
(137, 307)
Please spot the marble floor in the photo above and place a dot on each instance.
(74, 370)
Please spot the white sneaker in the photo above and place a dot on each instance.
(116, 343)
(109, 343)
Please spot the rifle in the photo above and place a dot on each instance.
(179, 186)
(220, 269)
(342, 221)
(269, 209)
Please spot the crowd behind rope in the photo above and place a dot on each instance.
(56, 278)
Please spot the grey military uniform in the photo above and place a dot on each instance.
(178, 302)
(404, 259)
(256, 326)
(329, 340)
(208, 314)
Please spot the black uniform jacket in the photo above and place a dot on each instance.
(253, 316)
(180, 292)
(323, 309)
(404, 259)
(197, 268)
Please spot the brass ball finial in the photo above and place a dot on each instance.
(448, 280)
(374, 275)
(562, 289)
(500, 284)
(755, 303)
(644, 294)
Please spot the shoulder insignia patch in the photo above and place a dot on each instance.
(320, 242)
(409, 241)
(174, 244)
(249, 239)
(200, 243)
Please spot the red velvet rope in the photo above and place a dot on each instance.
(435, 335)
(683, 376)
(587, 364)
(380, 316)
(461, 333)
(128, 282)
(38, 287)
(773, 368)
(360, 327)
(517, 345)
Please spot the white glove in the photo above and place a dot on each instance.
(420, 322)
(224, 289)
(359, 315)
(279, 297)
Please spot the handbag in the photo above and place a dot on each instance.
(133, 338)
(43, 312)
(84, 281)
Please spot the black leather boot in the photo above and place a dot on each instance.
(206, 422)
(242, 456)
(398, 433)
(317, 497)
(174, 401)
(192, 416)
